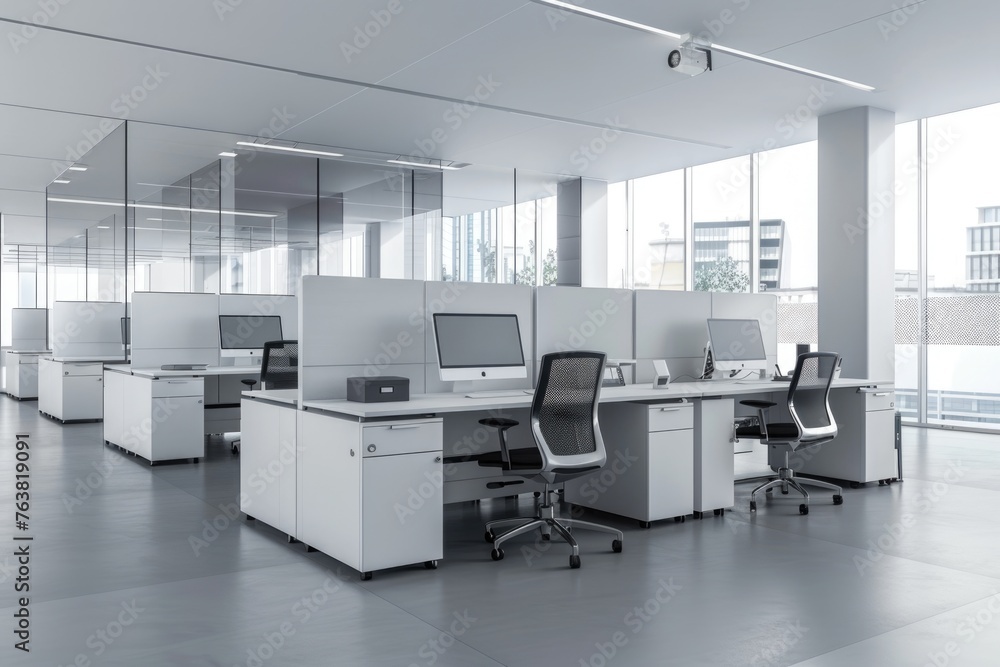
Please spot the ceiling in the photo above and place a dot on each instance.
(551, 84)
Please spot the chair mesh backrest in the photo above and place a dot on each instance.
(280, 368)
(565, 402)
(808, 395)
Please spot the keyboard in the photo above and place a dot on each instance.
(500, 393)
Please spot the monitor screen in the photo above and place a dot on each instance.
(248, 332)
(736, 340)
(126, 331)
(470, 340)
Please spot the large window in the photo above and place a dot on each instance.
(722, 245)
(658, 231)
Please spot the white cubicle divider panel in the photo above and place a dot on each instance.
(584, 318)
(174, 328)
(672, 326)
(357, 327)
(87, 329)
(282, 305)
(455, 297)
(29, 329)
(761, 307)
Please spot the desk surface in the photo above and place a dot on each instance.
(30, 352)
(211, 370)
(421, 404)
(87, 360)
(287, 396)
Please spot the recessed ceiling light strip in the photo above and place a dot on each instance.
(288, 149)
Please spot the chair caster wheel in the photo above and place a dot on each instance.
(803, 509)
(770, 490)
(366, 576)
(489, 536)
(646, 525)
(431, 565)
(546, 537)
(753, 505)
(616, 546)
(838, 500)
(496, 554)
(784, 492)
(538, 494)
(574, 562)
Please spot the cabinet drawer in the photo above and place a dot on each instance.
(80, 370)
(671, 417)
(880, 400)
(402, 438)
(189, 387)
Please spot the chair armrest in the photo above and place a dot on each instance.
(760, 405)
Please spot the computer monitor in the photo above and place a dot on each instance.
(126, 331)
(736, 345)
(477, 346)
(245, 335)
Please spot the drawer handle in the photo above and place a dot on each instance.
(400, 427)
(670, 409)
(176, 381)
(881, 393)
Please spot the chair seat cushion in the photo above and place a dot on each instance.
(498, 422)
(520, 459)
(775, 431)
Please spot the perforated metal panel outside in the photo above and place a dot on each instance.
(950, 320)
(798, 323)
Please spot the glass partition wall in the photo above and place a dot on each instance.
(160, 208)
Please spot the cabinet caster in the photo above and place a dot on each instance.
(719, 512)
(430, 565)
(312, 550)
(292, 540)
(366, 576)
(250, 518)
(496, 554)
(838, 500)
(574, 562)
(646, 525)
(881, 482)
(489, 536)
(753, 505)
(697, 515)
(616, 546)
(678, 519)
(803, 509)
(855, 485)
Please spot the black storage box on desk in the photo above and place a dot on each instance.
(378, 389)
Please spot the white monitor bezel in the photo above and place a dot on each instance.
(467, 373)
(731, 365)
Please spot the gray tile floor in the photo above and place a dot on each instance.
(133, 565)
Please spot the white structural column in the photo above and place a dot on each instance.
(856, 239)
(582, 236)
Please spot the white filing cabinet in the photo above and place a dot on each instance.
(22, 374)
(70, 391)
(865, 447)
(714, 466)
(268, 464)
(370, 494)
(649, 474)
(162, 419)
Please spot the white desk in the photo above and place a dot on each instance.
(163, 415)
(72, 388)
(678, 442)
(22, 373)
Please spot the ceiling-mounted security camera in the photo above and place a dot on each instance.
(690, 58)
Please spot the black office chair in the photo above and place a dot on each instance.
(812, 424)
(279, 370)
(568, 445)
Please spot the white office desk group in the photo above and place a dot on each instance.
(72, 388)
(366, 482)
(22, 373)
